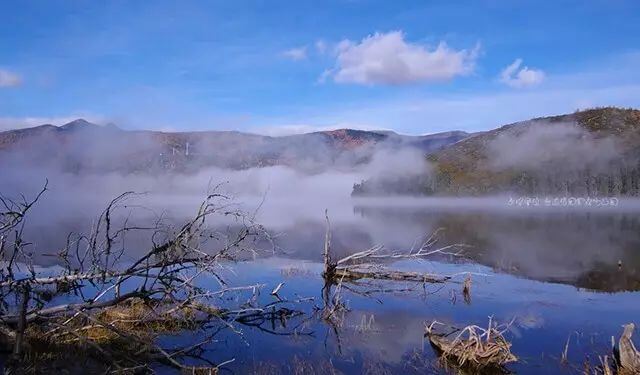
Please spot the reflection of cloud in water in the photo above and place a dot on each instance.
(529, 320)
(550, 245)
(403, 326)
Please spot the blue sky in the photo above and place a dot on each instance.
(277, 67)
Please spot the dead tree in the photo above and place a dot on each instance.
(348, 273)
(115, 305)
(370, 263)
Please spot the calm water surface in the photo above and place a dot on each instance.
(557, 275)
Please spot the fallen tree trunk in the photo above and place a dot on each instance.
(355, 274)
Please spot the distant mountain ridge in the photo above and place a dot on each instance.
(81, 146)
(594, 152)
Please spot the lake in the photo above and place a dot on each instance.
(552, 274)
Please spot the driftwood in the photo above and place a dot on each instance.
(473, 346)
(629, 355)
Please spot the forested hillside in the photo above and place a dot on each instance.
(588, 153)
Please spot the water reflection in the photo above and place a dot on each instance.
(586, 249)
(384, 331)
(598, 249)
(593, 250)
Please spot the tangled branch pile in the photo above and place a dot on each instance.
(473, 346)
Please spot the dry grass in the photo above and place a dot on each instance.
(473, 346)
(135, 317)
(125, 331)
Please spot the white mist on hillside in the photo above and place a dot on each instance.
(533, 146)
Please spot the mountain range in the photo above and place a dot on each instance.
(594, 152)
(81, 146)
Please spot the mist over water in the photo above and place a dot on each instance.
(535, 242)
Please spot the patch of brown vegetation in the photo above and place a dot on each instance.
(473, 346)
(119, 331)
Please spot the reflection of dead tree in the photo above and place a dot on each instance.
(466, 289)
(116, 306)
(473, 346)
(333, 310)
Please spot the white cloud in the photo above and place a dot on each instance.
(296, 54)
(321, 46)
(386, 58)
(513, 76)
(9, 79)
